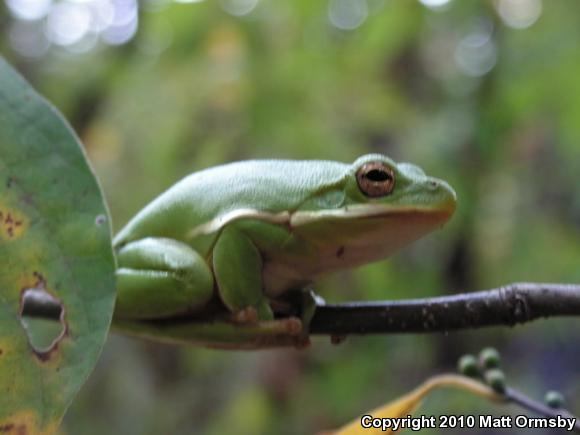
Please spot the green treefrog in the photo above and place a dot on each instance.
(215, 258)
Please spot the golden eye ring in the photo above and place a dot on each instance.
(375, 179)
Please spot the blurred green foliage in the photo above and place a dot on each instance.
(483, 94)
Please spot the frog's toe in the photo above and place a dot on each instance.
(292, 325)
(247, 315)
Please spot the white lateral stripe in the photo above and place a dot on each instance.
(355, 211)
(301, 217)
(241, 213)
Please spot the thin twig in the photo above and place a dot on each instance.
(539, 408)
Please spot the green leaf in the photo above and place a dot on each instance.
(54, 237)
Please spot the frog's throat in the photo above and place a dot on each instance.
(300, 218)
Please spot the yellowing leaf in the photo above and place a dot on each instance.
(55, 242)
(398, 409)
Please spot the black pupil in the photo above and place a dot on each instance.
(378, 175)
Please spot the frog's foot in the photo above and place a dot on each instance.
(253, 314)
(249, 316)
(290, 325)
(285, 331)
(261, 334)
(246, 315)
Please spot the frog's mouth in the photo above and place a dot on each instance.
(363, 211)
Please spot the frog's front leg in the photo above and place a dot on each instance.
(237, 266)
(159, 278)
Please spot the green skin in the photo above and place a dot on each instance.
(223, 246)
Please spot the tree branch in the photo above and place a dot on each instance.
(508, 305)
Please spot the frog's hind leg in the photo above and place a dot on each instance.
(158, 277)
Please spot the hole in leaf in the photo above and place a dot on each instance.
(42, 317)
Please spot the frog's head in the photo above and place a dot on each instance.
(377, 207)
(375, 184)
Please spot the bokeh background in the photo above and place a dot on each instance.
(485, 94)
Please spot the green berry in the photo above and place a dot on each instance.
(554, 399)
(467, 365)
(495, 378)
(489, 358)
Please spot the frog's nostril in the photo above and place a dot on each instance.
(432, 184)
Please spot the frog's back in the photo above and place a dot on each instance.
(271, 186)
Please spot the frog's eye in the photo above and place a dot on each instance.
(375, 179)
